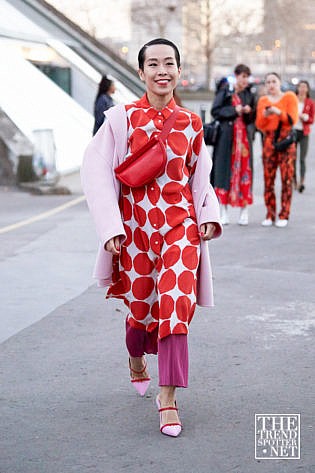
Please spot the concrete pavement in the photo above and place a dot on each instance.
(67, 404)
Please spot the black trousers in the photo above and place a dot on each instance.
(302, 145)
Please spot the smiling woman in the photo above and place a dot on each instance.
(155, 235)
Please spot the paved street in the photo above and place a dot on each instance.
(66, 403)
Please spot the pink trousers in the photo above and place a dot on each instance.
(172, 354)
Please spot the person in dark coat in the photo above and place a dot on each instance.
(103, 101)
(232, 156)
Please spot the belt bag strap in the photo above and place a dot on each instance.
(168, 125)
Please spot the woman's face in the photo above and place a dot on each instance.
(112, 88)
(160, 71)
(302, 88)
(241, 81)
(272, 84)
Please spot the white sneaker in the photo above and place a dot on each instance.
(243, 220)
(224, 215)
(281, 222)
(267, 222)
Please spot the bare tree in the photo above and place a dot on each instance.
(202, 26)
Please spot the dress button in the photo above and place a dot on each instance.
(152, 188)
(156, 242)
(159, 113)
(154, 224)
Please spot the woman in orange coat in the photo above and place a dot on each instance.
(273, 108)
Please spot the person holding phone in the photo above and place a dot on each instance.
(232, 173)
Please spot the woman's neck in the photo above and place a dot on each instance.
(301, 97)
(276, 96)
(238, 89)
(159, 101)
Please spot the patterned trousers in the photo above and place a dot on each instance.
(285, 161)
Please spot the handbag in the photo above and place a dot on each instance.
(149, 161)
(211, 132)
(284, 143)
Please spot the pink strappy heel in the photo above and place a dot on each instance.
(173, 429)
(141, 385)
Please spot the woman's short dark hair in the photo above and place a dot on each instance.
(141, 55)
(242, 69)
(308, 87)
(273, 74)
(104, 86)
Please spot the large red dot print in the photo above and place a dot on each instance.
(138, 139)
(156, 217)
(183, 307)
(178, 143)
(141, 240)
(128, 232)
(165, 329)
(174, 215)
(192, 235)
(138, 194)
(155, 311)
(153, 192)
(175, 234)
(167, 281)
(171, 192)
(171, 256)
(190, 257)
(139, 309)
(125, 259)
(166, 306)
(139, 214)
(139, 118)
(182, 121)
(126, 209)
(197, 143)
(180, 329)
(174, 169)
(142, 287)
(142, 264)
(186, 282)
(156, 242)
(196, 122)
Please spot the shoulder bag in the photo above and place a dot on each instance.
(284, 143)
(211, 132)
(149, 161)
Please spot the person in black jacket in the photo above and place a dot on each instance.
(103, 101)
(232, 156)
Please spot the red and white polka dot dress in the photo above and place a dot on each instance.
(155, 273)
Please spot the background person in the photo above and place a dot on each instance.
(232, 156)
(154, 237)
(272, 108)
(103, 101)
(303, 129)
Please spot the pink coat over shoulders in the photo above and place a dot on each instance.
(106, 150)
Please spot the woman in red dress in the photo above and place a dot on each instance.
(159, 240)
(232, 157)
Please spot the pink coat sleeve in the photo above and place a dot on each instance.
(100, 186)
(205, 200)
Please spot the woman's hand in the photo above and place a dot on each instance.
(113, 245)
(239, 109)
(247, 109)
(273, 111)
(207, 230)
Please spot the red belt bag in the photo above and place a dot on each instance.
(149, 161)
